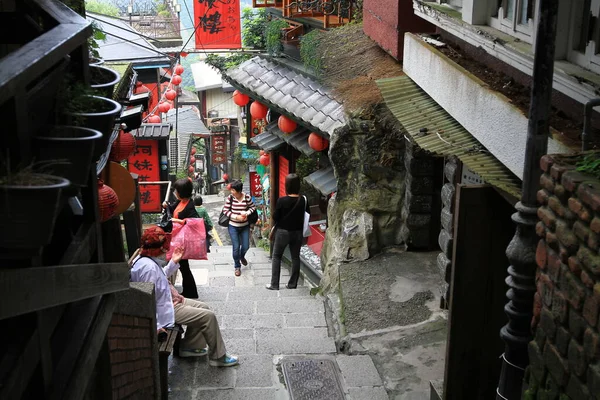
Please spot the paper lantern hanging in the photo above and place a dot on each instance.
(286, 125)
(191, 169)
(317, 142)
(193, 150)
(264, 160)
(228, 186)
(240, 98)
(258, 110)
(179, 69)
(192, 160)
(122, 148)
(108, 201)
(170, 94)
(154, 119)
(225, 177)
(261, 153)
(261, 169)
(163, 107)
(176, 79)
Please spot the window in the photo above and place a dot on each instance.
(584, 34)
(515, 17)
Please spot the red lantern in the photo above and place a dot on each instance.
(193, 150)
(258, 110)
(317, 142)
(179, 69)
(122, 147)
(286, 125)
(154, 119)
(176, 80)
(108, 201)
(240, 98)
(261, 153)
(170, 94)
(228, 186)
(225, 177)
(264, 160)
(191, 169)
(192, 160)
(164, 106)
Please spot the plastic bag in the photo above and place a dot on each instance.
(192, 236)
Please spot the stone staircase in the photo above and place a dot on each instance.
(267, 330)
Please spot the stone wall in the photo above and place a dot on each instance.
(565, 353)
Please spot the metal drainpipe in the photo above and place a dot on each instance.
(587, 122)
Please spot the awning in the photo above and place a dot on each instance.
(267, 141)
(435, 131)
(297, 139)
(323, 180)
(152, 131)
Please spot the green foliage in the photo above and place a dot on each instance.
(97, 35)
(100, 7)
(590, 164)
(358, 11)
(309, 51)
(273, 36)
(264, 244)
(161, 7)
(164, 14)
(252, 160)
(306, 165)
(254, 23)
(223, 63)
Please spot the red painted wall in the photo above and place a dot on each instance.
(386, 22)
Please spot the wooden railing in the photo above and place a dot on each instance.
(53, 315)
(332, 13)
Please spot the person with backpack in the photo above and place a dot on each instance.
(238, 207)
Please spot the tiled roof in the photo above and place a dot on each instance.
(435, 131)
(283, 88)
(323, 180)
(188, 123)
(267, 141)
(298, 139)
(152, 131)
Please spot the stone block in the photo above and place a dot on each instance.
(418, 221)
(557, 171)
(359, 371)
(553, 265)
(591, 345)
(540, 229)
(566, 237)
(586, 279)
(547, 183)
(555, 364)
(576, 358)
(419, 165)
(547, 323)
(562, 194)
(546, 162)
(370, 393)
(546, 289)
(590, 260)
(444, 266)
(562, 339)
(446, 242)
(357, 231)
(420, 184)
(581, 231)
(447, 219)
(593, 241)
(294, 341)
(420, 204)
(593, 378)
(552, 240)
(450, 168)
(541, 255)
(559, 209)
(591, 306)
(574, 265)
(589, 195)
(448, 195)
(576, 389)
(577, 325)
(560, 306)
(571, 180)
(547, 217)
(542, 197)
(595, 225)
(255, 371)
(575, 205)
(573, 288)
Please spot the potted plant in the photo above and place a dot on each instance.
(103, 80)
(71, 144)
(29, 205)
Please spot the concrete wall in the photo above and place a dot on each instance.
(220, 101)
(386, 21)
(565, 354)
(486, 114)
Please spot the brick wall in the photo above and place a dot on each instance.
(565, 353)
(131, 360)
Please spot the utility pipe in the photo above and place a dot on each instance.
(587, 123)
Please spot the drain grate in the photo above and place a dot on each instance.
(312, 379)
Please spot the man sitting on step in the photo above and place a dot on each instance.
(171, 307)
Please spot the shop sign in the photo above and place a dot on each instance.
(145, 163)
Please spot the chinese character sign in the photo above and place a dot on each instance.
(255, 128)
(219, 149)
(145, 162)
(218, 23)
(255, 186)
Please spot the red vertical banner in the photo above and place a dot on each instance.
(255, 128)
(284, 168)
(255, 186)
(218, 23)
(145, 163)
(218, 146)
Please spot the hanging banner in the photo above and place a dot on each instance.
(255, 186)
(218, 146)
(218, 24)
(145, 163)
(254, 128)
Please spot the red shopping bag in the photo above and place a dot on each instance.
(192, 236)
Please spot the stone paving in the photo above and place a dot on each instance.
(263, 328)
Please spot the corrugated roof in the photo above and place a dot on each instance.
(278, 86)
(152, 131)
(435, 131)
(267, 141)
(297, 139)
(323, 180)
(188, 120)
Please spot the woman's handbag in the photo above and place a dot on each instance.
(223, 220)
(253, 217)
(306, 232)
(165, 221)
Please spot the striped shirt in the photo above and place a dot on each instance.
(234, 207)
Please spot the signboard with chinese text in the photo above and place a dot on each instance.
(255, 186)
(255, 128)
(218, 23)
(218, 147)
(218, 125)
(145, 163)
(284, 168)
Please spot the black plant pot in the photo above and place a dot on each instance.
(104, 80)
(28, 213)
(101, 118)
(67, 152)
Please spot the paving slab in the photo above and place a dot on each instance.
(305, 320)
(289, 305)
(368, 393)
(252, 321)
(359, 371)
(256, 371)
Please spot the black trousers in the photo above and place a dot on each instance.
(284, 238)
(189, 284)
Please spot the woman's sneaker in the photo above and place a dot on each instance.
(193, 352)
(225, 361)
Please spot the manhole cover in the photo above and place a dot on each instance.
(312, 380)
